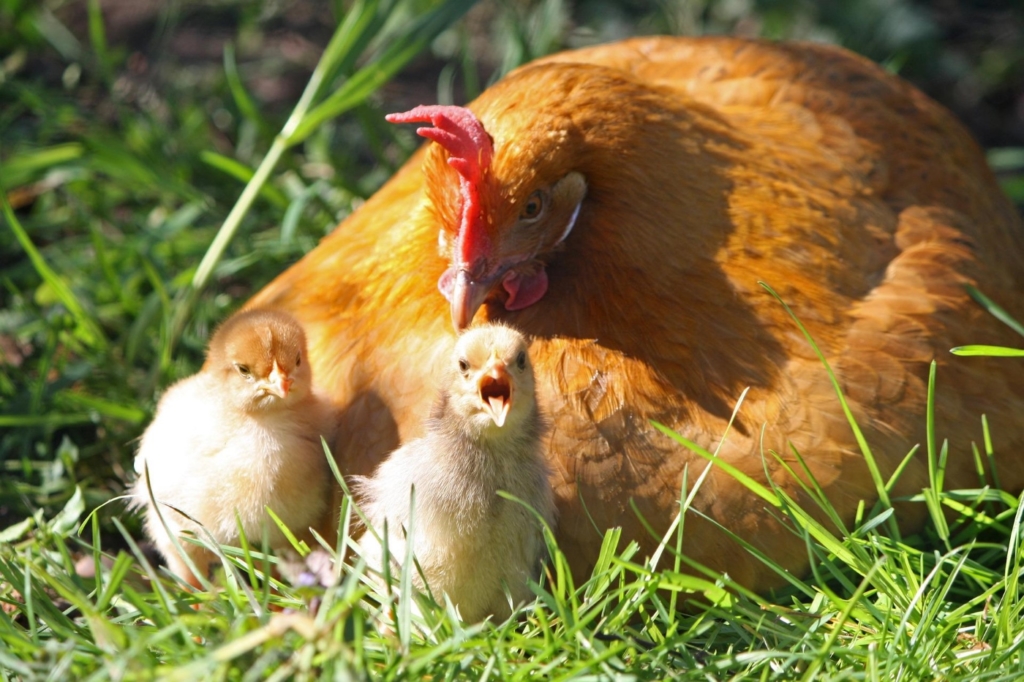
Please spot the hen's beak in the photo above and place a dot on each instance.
(496, 391)
(279, 382)
(467, 297)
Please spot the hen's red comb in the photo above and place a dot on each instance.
(459, 131)
(469, 150)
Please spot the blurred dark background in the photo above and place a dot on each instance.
(967, 55)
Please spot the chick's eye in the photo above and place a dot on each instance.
(521, 360)
(463, 366)
(243, 370)
(533, 207)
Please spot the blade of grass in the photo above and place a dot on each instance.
(98, 38)
(87, 328)
(26, 166)
(748, 482)
(869, 458)
(403, 622)
(298, 545)
(991, 351)
(414, 39)
(171, 535)
(47, 420)
(240, 171)
(243, 101)
(106, 408)
(994, 309)
(825, 650)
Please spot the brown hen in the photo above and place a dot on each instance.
(621, 208)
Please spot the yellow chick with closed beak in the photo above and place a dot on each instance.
(241, 435)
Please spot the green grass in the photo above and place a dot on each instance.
(124, 241)
(875, 607)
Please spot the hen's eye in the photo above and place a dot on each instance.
(463, 366)
(534, 205)
(243, 370)
(521, 360)
(298, 360)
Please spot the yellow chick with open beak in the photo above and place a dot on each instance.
(241, 435)
(483, 436)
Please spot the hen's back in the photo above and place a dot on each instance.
(912, 151)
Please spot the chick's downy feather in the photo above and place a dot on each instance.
(633, 197)
(483, 436)
(241, 435)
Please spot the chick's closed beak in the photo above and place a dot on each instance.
(496, 392)
(279, 381)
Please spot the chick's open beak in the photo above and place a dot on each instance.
(496, 392)
(279, 383)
